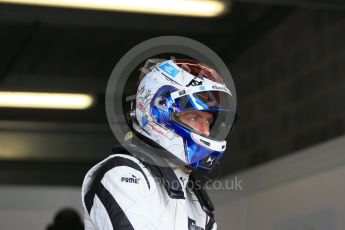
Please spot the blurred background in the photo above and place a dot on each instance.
(287, 58)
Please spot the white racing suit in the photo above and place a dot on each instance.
(123, 193)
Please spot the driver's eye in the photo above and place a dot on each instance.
(209, 122)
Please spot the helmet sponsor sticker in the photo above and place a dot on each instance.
(141, 106)
(201, 87)
(169, 69)
(182, 92)
(194, 83)
(221, 88)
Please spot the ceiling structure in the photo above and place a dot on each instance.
(64, 50)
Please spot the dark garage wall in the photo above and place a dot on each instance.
(290, 87)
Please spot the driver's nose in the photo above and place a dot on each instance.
(204, 128)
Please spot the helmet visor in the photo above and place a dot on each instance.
(205, 100)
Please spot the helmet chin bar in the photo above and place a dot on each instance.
(208, 143)
(205, 159)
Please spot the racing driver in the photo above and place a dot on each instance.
(181, 115)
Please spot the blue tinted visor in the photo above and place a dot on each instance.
(205, 100)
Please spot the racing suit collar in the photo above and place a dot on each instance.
(183, 175)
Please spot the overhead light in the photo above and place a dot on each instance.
(45, 100)
(196, 8)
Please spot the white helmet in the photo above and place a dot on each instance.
(170, 87)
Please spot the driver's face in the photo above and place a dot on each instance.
(198, 120)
